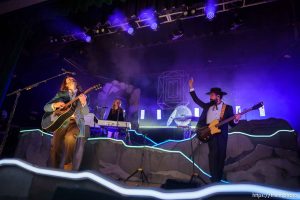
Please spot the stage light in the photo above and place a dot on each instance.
(193, 11)
(185, 13)
(104, 28)
(83, 36)
(210, 9)
(142, 114)
(237, 109)
(154, 26)
(158, 114)
(210, 15)
(118, 19)
(130, 31)
(196, 112)
(262, 111)
(148, 17)
(88, 38)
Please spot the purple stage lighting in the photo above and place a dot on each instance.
(117, 18)
(88, 38)
(210, 9)
(154, 26)
(148, 17)
(120, 20)
(83, 36)
(130, 30)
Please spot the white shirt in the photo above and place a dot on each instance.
(214, 113)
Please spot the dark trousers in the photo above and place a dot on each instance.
(64, 139)
(217, 154)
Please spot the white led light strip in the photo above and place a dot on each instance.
(157, 193)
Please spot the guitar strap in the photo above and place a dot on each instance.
(222, 111)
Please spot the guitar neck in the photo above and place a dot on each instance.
(232, 118)
(76, 98)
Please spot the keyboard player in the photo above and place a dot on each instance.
(116, 113)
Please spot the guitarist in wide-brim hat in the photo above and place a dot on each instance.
(73, 127)
(216, 109)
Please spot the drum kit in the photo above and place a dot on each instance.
(186, 121)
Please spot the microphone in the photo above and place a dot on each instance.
(68, 72)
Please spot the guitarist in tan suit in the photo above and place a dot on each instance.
(217, 144)
(67, 134)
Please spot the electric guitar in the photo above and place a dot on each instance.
(204, 133)
(52, 121)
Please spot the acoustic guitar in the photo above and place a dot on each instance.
(52, 121)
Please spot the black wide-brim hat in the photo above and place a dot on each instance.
(216, 90)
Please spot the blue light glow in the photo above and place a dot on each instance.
(231, 133)
(154, 26)
(118, 19)
(210, 9)
(148, 17)
(139, 134)
(88, 39)
(130, 30)
(83, 37)
(261, 136)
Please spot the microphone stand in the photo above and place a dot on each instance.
(194, 175)
(127, 137)
(117, 123)
(18, 94)
(142, 175)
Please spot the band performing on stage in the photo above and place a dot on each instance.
(64, 137)
(125, 99)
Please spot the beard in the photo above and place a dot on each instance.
(213, 101)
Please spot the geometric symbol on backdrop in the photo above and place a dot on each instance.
(172, 89)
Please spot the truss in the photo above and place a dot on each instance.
(168, 16)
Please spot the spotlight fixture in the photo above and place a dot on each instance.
(210, 9)
(149, 18)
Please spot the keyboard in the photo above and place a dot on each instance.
(92, 121)
(110, 123)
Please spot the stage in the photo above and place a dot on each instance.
(173, 99)
(168, 164)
